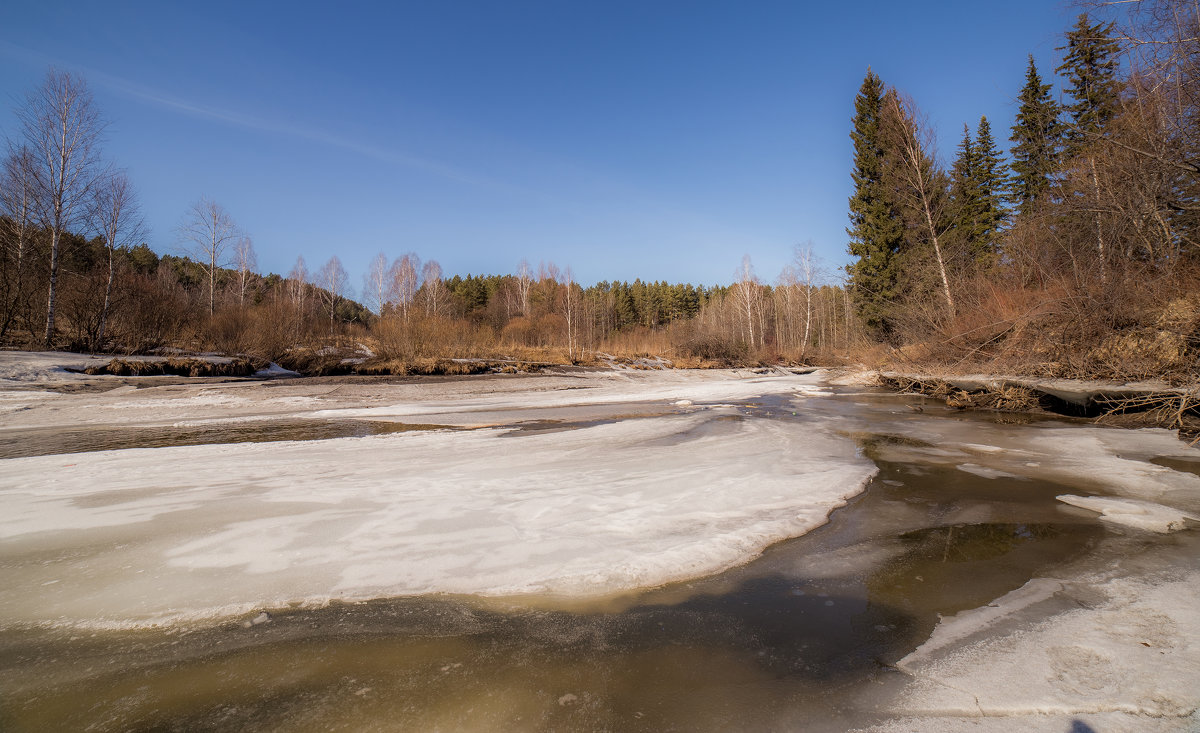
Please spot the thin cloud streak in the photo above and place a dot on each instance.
(652, 209)
(238, 119)
(143, 93)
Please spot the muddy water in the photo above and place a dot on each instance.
(797, 639)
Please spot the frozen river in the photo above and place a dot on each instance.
(587, 550)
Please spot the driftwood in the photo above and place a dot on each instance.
(1174, 409)
(1007, 398)
(1166, 409)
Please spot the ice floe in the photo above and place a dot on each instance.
(1133, 513)
(149, 535)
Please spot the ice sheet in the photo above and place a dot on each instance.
(473, 401)
(672, 388)
(150, 535)
(1056, 649)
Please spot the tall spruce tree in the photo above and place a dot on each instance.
(1037, 141)
(977, 185)
(1090, 65)
(991, 180)
(876, 229)
(963, 191)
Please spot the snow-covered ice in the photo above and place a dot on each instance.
(148, 535)
(1111, 645)
(40, 367)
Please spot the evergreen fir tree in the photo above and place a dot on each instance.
(990, 184)
(1091, 72)
(876, 230)
(1037, 140)
(977, 185)
(963, 191)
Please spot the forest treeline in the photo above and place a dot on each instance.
(414, 313)
(76, 274)
(1076, 254)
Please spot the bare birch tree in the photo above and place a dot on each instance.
(208, 232)
(116, 215)
(524, 282)
(808, 269)
(62, 128)
(297, 282)
(917, 179)
(403, 282)
(748, 294)
(571, 311)
(375, 283)
(785, 306)
(332, 279)
(433, 289)
(243, 254)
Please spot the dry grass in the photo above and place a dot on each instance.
(434, 366)
(1130, 327)
(238, 367)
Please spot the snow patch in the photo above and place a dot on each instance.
(274, 370)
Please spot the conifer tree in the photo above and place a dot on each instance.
(1037, 139)
(876, 230)
(963, 190)
(977, 184)
(990, 183)
(1090, 65)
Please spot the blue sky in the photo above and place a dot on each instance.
(660, 140)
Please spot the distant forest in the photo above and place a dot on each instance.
(1076, 254)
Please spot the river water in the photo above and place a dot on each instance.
(805, 637)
